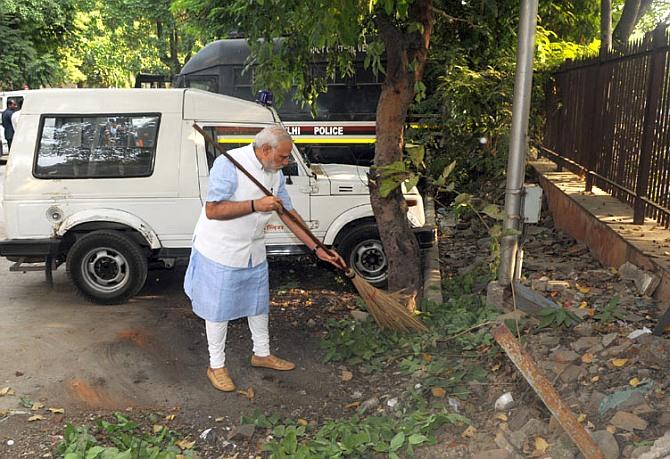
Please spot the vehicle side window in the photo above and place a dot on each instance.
(109, 146)
(231, 137)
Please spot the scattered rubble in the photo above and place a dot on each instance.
(645, 282)
(609, 368)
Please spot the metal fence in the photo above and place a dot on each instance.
(609, 118)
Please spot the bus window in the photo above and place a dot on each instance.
(242, 79)
(206, 83)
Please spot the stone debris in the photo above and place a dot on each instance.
(242, 432)
(607, 443)
(628, 421)
(645, 282)
(659, 450)
(504, 402)
(493, 454)
(360, 316)
(614, 382)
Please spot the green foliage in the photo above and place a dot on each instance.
(611, 312)
(115, 39)
(31, 33)
(26, 401)
(355, 437)
(557, 317)
(407, 171)
(125, 440)
(419, 355)
(466, 115)
(366, 343)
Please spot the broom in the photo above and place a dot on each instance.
(386, 308)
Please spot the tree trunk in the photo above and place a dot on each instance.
(402, 49)
(633, 10)
(174, 51)
(605, 26)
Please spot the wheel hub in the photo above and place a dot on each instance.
(369, 260)
(105, 269)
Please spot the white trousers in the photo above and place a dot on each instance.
(216, 339)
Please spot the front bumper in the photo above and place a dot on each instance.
(426, 236)
(12, 248)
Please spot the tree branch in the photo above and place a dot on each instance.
(451, 18)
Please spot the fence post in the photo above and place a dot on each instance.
(654, 83)
(596, 110)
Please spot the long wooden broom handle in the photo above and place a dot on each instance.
(282, 210)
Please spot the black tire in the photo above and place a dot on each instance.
(107, 267)
(362, 249)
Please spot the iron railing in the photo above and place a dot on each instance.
(609, 118)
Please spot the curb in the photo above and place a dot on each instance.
(432, 278)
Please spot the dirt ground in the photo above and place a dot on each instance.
(148, 358)
(150, 355)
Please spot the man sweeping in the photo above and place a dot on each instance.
(227, 275)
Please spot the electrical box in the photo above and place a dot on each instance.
(531, 203)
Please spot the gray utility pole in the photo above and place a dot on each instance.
(516, 163)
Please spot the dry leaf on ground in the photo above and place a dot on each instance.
(6, 391)
(619, 362)
(170, 417)
(57, 410)
(346, 375)
(438, 392)
(37, 406)
(249, 393)
(583, 289)
(634, 382)
(302, 422)
(587, 358)
(469, 432)
(37, 417)
(185, 444)
(352, 405)
(541, 446)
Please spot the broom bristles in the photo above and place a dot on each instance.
(386, 308)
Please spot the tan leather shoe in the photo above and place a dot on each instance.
(273, 362)
(220, 379)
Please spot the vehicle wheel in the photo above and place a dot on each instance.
(107, 267)
(362, 249)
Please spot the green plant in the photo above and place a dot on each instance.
(358, 437)
(123, 439)
(355, 342)
(557, 317)
(611, 312)
(430, 362)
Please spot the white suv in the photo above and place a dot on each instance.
(111, 182)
